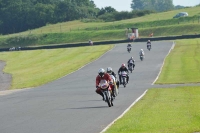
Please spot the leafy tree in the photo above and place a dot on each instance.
(138, 4)
(108, 9)
(157, 5)
(20, 15)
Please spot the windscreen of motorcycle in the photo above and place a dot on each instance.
(103, 84)
(124, 73)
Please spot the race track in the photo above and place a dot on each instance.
(70, 104)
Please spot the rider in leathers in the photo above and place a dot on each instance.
(129, 46)
(111, 72)
(141, 52)
(123, 68)
(102, 75)
(149, 44)
(131, 60)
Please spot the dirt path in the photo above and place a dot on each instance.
(5, 79)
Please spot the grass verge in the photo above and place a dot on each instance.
(169, 110)
(182, 64)
(34, 68)
(173, 110)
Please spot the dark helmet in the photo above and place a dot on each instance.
(101, 72)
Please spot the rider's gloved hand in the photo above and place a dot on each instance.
(97, 87)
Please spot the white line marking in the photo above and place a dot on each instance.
(124, 112)
(163, 63)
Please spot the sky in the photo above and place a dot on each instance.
(124, 5)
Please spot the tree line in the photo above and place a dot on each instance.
(21, 15)
(157, 5)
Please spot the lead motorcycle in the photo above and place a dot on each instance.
(106, 91)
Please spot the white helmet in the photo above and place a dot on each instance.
(132, 58)
(148, 40)
(109, 70)
(101, 72)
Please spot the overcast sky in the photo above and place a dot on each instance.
(124, 5)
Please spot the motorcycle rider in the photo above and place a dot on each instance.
(90, 42)
(141, 52)
(148, 44)
(123, 68)
(111, 72)
(131, 60)
(129, 46)
(102, 75)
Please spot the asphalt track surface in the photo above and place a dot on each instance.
(70, 104)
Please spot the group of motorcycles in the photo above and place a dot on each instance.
(108, 94)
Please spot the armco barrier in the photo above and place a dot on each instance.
(107, 42)
(167, 38)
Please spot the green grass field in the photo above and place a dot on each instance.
(34, 68)
(183, 64)
(174, 110)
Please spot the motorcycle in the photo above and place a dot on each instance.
(130, 67)
(141, 57)
(106, 91)
(115, 91)
(129, 49)
(149, 47)
(124, 78)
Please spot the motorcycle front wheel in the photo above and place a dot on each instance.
(124, 81)
(108, 99)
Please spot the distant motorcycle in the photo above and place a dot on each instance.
(149, 47)
(106, 90)
(130, 67)
(141, 57)
(129, 49)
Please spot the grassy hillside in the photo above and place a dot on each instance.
(78, 25)
(84, 36)
(161, 24)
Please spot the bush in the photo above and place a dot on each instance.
(116, 16)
